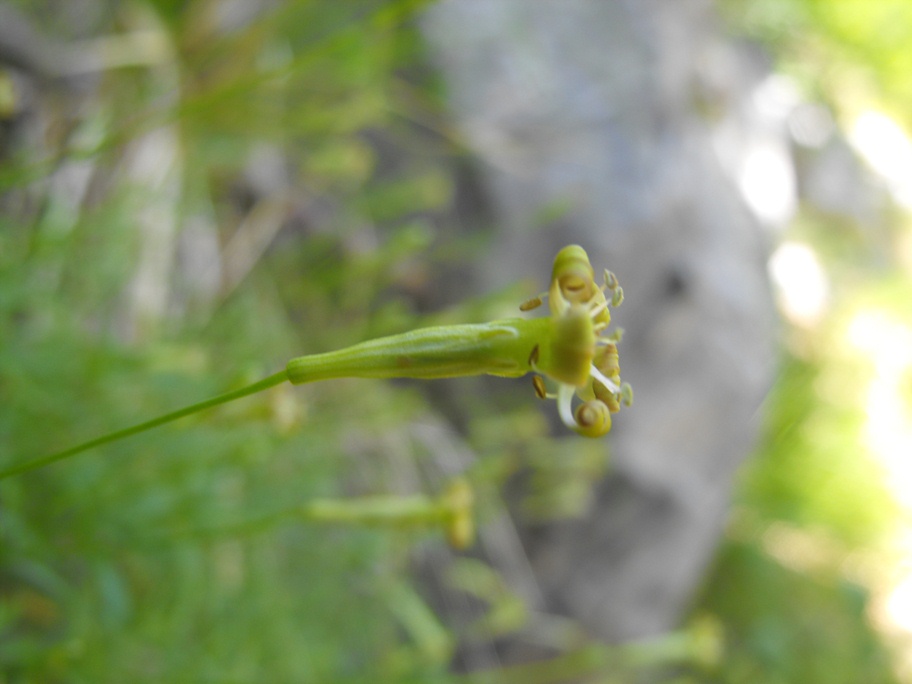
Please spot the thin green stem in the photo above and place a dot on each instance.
(377, 511)
(266, 383)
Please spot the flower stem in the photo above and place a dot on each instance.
(566, 347)
(266, 383)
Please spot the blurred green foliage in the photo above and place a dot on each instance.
(126, 564)
(788, 625)
(848, 53)
(815, 512)
(245, 185)
(793, 605)
(109, 566)
(814, 469)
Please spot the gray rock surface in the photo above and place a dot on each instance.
(623, 114)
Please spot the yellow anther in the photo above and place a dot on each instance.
(532, 303)
(611, 281)
(626, 394)
(615, 337)
(539, 384)
(617, 296)
(533, 356)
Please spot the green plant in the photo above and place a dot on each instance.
(271, 538)
(565, 347)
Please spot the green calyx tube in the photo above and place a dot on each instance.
(502, 348)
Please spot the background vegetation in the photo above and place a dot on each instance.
(816, 549)
(227, 190)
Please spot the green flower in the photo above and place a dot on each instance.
(566, 347)
(570, 348)
(584, 363)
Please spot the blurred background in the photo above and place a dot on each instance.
(194, 191)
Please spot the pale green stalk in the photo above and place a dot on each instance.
(266, 383)
(499, 348)
(566, 347)
(451, 511)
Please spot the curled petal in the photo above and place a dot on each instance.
(607, 361)
(572, 278)
(593, 419)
